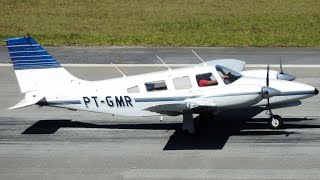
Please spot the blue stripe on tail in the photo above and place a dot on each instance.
(26, 53)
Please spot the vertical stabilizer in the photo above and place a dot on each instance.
(34, 67)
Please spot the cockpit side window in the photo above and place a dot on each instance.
(156, 86)
(228, 75)
(206, 79)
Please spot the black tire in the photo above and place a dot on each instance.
(276, 122)
(188, 133)
(205, 117)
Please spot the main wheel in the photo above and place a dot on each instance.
(206, 117)
(275, 122)
(190, 132)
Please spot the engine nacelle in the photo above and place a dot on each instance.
(262, 73)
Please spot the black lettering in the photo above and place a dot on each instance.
(86, 101)
(95, 100)
(109, 102)
(128, 100)
(119, 101)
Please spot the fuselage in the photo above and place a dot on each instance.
(135, 95)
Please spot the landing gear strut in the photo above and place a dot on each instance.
(188, 124)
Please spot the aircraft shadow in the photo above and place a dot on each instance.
(212, 135)
(51, 126)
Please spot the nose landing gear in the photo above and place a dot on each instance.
(275, 122)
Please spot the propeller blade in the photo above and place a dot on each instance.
(268, 107)
(281, 70)
(267, 80)
(268, 93)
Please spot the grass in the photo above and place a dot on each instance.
(164, 22)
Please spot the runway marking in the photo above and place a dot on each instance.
(178, 65)
(222, 173)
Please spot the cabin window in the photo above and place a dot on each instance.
(182, 83)
(206, 79)
(156, 86)
(134, 89)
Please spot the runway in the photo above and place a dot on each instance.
(49, 143)
(177, 55)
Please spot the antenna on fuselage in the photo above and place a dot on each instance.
(163, 63)
(119, 70)
(204, 63)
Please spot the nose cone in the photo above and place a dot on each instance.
(316, 91)
(285, 76)
(291, 90)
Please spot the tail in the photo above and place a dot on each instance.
(36, 70)
(34, 67)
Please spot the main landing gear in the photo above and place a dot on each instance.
(188, 124)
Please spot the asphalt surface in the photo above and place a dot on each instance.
(182, 55)
(49, 143)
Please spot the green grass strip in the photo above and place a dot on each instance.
(164, 22)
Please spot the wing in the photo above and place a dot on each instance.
(196, 104)
(168, 109)
(233, 64)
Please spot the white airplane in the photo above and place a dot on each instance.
(208, 87)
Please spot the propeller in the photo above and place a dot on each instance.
(284, 76)
(281, 70)
(267, 79)
(268, 91)
(267, 83)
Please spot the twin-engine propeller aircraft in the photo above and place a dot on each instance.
(208, 87)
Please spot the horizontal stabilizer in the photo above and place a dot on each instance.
(27, 102)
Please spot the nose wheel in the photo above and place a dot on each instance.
(275, 122)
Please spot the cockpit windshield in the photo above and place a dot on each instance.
(228, 75)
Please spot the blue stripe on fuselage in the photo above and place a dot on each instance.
(163, 99)
(62, 102)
